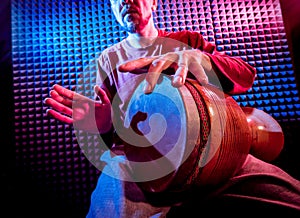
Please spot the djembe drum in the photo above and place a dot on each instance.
(202, 133)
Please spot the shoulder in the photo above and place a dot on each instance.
(179, 34)
(111, 52)
(192, 38)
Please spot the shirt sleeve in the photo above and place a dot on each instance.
(105, 81)
(234, 74)
(104, 76)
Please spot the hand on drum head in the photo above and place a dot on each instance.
(185, 61)
(85, 114)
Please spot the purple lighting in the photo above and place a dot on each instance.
(54, 42)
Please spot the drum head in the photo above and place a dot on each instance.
(164, 129)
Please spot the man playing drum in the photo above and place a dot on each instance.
(142, 58)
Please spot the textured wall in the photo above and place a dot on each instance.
(54, 42)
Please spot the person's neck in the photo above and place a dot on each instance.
(143, 38)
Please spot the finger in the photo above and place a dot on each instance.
(58, 106)
(67, 93)
(55, 96)
(182, 70)
(155, 70)
(102, 94)
(180, 75)
(133, 65)
(200, 74)
(63, 91)
(59, 116)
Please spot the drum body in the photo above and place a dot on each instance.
(203, 135)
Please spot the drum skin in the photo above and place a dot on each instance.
(216, 140)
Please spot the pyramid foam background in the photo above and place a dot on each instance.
(55, 41)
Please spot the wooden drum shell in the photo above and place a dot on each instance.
(221, 148)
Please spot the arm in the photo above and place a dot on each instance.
(234, 74)
(207, 65)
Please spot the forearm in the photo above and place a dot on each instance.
(103, 117)
(104, 127)
(234, 75)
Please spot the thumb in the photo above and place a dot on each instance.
(102, 94)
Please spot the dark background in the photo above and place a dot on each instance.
(21, 195)
(289, 159)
